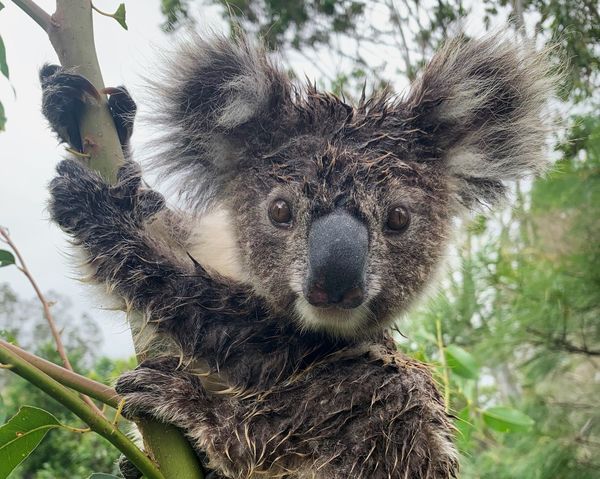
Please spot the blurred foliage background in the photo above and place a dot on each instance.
(513, 329)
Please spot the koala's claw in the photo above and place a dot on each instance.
(123, 109)
(63, 100)
(82, 202)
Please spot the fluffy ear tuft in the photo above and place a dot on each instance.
(479, 107)
(217, 98)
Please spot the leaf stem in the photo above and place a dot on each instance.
(68, 399)
(79, 383)
(101, 12)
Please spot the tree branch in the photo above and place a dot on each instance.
(97, 423)
(35, 12)
(98, 391)
(60, 348)
(71, 33)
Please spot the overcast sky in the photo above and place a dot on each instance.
(29, 152)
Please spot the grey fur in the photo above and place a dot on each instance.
(265, 384)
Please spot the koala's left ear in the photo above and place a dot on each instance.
(478, 107)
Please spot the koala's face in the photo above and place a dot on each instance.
(338, 236)
(341, 213)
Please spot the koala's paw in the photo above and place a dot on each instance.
(82, 202)
(123, 110)
(149, 389)
(64, 95)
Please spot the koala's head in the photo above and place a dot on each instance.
(341, 212)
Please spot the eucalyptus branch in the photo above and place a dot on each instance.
(97, 423)
(35, 12)
(72, 380)
(71, 33)
(60, 348)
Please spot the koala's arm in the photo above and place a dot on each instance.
(114, 226)
(131, 241)
(381, 418)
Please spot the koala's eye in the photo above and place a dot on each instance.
(280, 213)
(398, 219)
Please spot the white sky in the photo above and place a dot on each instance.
(29, 152)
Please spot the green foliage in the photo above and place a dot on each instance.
(120, 16)
(461, 362)
(66, 454)
(506, 419)
(524, 302)
(21, 435)
(3, 63)
(6, 258)
(175, 12)
(2, 118)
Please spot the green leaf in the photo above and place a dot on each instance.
(1, 5)
(507, 419)
(2, 117)
(120, 15)
(461, 362)
(102, 475)
(21, 435)
(3, 64)
(6, 258)
(465, 427)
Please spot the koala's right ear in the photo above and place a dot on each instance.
(218, 97)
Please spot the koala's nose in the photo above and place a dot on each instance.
(338, 244)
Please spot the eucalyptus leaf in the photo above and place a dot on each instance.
(1, 5)
(120, 16)
(2, 117)
(462, 362)
(21, 435)
(507, 419)
(3, 64)
(6, 257)
(102, 475)
(464, 425)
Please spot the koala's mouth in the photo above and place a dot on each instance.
(333, 319)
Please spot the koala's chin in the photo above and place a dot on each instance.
(338, 322)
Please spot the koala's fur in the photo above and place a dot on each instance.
(266, 384)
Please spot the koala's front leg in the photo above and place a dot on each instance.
(112, 223)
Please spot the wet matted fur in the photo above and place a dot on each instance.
(264, 383)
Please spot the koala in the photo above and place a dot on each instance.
(310, 225)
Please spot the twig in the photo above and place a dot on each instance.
(445, 376)
(60, 347)
(97, 423)
(98, 391)
(35, 12)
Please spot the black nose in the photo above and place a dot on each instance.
(338, 244)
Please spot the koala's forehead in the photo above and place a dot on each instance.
(318, 162)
